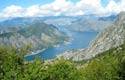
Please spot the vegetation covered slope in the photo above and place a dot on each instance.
(36, 34)
(110, 65)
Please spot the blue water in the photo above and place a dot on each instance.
(78, 40)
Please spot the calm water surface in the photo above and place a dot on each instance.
(78, 40)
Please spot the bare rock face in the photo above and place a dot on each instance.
(112, 36)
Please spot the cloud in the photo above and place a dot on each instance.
(88, 6)
(64, 7)
(12, 11)
(113, 7)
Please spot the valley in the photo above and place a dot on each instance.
(48, 37)
(77, 40)
(62, 39)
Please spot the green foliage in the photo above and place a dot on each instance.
(10, 64)
(110, 65)
(122, 70)
(62, 70)
(121, 58)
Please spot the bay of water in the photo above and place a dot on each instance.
(78, 40)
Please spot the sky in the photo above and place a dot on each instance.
(35, 8)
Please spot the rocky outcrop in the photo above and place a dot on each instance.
(112, 36)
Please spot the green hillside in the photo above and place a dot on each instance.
(38, 34)
(108, 66)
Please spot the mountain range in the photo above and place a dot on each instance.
(82, 23)
(43, 32)
(112, 36)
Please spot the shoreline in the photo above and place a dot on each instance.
(34, 53)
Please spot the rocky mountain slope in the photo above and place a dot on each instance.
(34, 33)
(92, 23)
(112, 36)
(82, 23)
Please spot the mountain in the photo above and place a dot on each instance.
(82, 23)
(61, 20)
(92, 23)
(74, 23)
(111, 37)
(34, 32)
